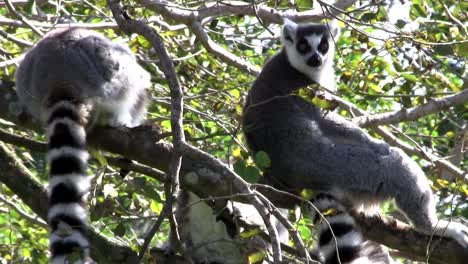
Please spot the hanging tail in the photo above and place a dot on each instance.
(68, 183)
(340, 240)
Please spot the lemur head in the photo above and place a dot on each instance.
(310, 49)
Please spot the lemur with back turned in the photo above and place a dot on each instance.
(71, 79)
(322, 151)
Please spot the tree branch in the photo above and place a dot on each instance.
(20, 181)
(193, 17)
(411, 114)
(220, 52)
(459, 148)
(129, 25)
(31, 218)
(234, 8)
(198, 171)
(16, 40)
(392, 140)
(400, 236)
(13, 11)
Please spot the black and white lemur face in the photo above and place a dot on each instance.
(310, 49)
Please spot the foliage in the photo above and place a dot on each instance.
(377, 71)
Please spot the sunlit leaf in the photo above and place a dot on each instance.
(109, 191)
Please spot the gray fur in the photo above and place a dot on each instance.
(71, 77)
(310, 148)
(207, 238)
(103, 74)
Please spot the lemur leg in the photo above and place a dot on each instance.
(419, 207)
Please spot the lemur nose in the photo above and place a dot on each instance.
(314, 60)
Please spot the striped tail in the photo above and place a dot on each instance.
(68, 183)
(345, 244)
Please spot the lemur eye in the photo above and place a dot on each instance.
(302, 46)
(323, 46)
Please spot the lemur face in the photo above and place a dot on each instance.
(309, 47)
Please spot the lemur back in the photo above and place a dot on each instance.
(70, 80)
(322, 151)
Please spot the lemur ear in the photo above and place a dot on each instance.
(288, 33)
(334, 29)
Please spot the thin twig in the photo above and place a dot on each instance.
(39, 146)
(411, 114)
(171, 189)
(16, 40)
(13, 11)
(31, 218)
(392, 140)
(453, 18)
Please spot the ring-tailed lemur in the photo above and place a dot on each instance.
(350, 247)
(325, 152)
(70, 78)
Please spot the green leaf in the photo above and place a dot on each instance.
(30, 7)
(444, 50)
(417, 10)
(324, 103)
(155, 207)
(119, 230)
(97, 154)
(409, 77)
(400, 23)
(250, 233)
(374, 89)
(252, 174)
(235, 93)
(262, 160)
(304, 231)
(151, 193)
(304, 4)
(257, 257)
(239, 167)
(368, 17)
(462, 49)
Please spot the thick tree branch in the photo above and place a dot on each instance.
(234, 8)
(193, 19)
(15, 23)
(121, 163)
(402, 237)
(181, 147)
(411, 114)
(200, 170)
(129, 25)
(20, 181)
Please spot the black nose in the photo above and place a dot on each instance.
(314, 60)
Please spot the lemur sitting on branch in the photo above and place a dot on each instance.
(71, 79)
(322, 151)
